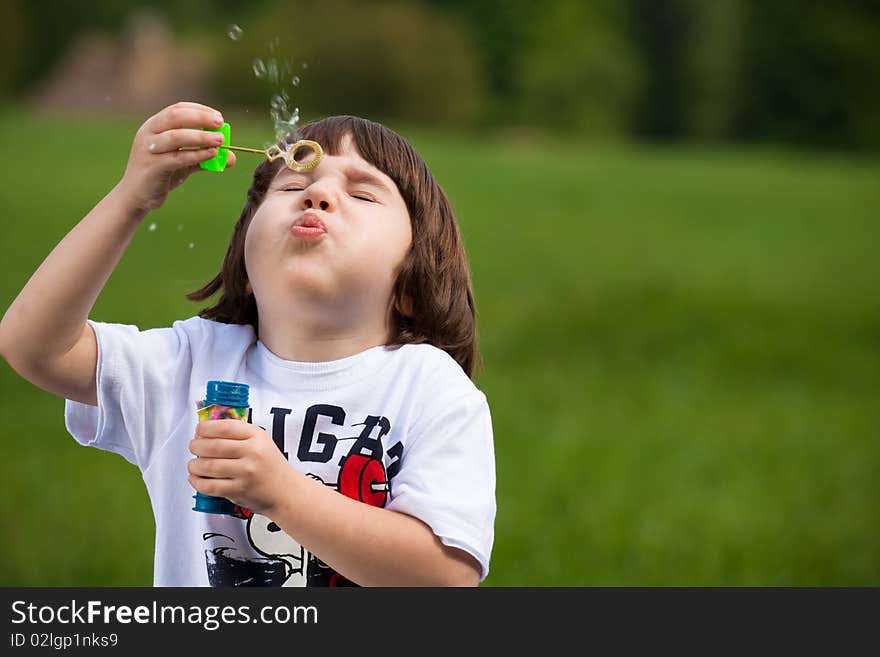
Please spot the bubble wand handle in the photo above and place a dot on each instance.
(244, 149)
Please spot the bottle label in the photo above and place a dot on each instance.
(221, 412)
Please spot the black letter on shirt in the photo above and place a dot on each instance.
(367, 445)
(328, 440)
(394, 466)
(278, 417)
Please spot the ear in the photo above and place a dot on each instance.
(248, 289)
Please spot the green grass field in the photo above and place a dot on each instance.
(681, 346)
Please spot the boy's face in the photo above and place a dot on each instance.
(335, 235)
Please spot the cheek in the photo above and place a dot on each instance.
(383, 250)
(394, 247)
(403, 240)
(248, 248)
(251, 247)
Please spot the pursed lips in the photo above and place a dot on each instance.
(308, 225)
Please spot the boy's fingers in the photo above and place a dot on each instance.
(223, 429)
(230, 162)
(215, 449)
(211, 468)
(172, 140)
(189, 158)
(187, 103)
(181, 116)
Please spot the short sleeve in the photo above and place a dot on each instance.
(140, 382)
(447, 475)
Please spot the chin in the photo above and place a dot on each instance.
(300, 277)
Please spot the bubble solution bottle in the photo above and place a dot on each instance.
(224, 400)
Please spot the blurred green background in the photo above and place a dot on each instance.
(671, 209)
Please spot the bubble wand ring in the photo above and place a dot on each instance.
(274, 152)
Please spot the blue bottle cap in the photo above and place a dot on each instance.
(227, 393)
(211, 504)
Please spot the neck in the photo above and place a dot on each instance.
(312, 340)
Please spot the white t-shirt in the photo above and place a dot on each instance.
(418, 430)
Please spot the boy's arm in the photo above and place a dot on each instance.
(44, 335)
(369, 545)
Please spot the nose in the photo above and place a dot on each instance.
(318, 196)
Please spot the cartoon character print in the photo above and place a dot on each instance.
(271, 541)
(287, 563)
(361, 478)
(227, 568)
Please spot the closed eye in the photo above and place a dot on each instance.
(292, 189)
(364, 197)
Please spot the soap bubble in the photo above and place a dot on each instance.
(278, 103)
(179, 227)
(191, 244)
(284, 121)
(152, 227)
(234, 32)
(279, 72)
(273, 71)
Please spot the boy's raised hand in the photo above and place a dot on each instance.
(156, 164)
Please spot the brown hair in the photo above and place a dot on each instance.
(432, 298)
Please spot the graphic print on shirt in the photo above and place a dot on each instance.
(361, 475)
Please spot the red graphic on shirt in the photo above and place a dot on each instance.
(242, 512)
(363, 479)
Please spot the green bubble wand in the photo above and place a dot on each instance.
(274, 152)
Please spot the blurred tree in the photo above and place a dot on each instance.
(661, 30)
(712, 77)
(501, 31)
(411, 64)
(13, 30)
(577, 68)
(562, 63)
(47, 28)
(50, 27)
(812, 72)
(805, 72)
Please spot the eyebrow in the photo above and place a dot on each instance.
(353, 174)
(365, 177)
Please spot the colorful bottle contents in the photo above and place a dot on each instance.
(224, 400)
